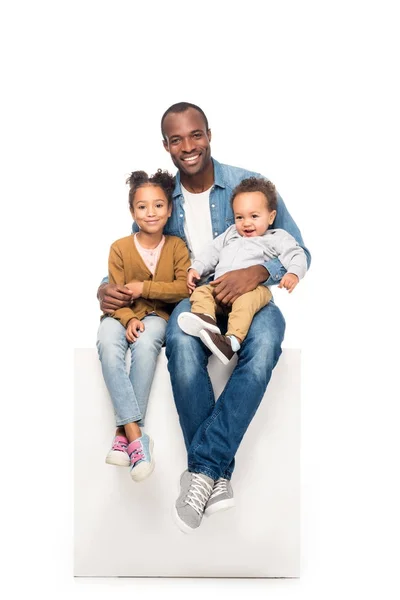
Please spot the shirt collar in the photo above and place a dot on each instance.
(218, 178)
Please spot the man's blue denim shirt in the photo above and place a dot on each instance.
(226, 178)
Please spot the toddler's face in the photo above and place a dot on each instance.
(150, 208)
(252, 215)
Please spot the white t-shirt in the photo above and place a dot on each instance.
(198, 226)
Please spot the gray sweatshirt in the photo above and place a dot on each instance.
(230, 251)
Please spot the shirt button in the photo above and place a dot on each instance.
(181, 215)
(215, 233)
(212, 205)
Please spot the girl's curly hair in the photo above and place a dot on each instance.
(162, 179)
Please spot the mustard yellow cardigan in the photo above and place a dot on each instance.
(160, 291)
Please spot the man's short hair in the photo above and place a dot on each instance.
(179, 108)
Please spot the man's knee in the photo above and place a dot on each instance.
(263, 343)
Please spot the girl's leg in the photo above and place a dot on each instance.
(112, 346)
(144, 354)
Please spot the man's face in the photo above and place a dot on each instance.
(187, 141)
(252, 215)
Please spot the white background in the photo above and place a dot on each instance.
(305, 93)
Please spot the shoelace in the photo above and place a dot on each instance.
(136, 454)
(220, 487)
(198, 494)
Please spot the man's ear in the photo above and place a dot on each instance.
(165, 144)
(209, 135)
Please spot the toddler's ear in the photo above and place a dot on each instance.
(272, 217)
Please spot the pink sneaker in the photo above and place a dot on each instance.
(141, 456)
(118, 454)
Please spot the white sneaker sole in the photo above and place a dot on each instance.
(193, 325)
(145, 469)
(219, 506)
(205, 338)
(181, 524)
(118, 458)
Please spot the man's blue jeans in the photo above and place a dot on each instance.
(129, 393)
(213, 430)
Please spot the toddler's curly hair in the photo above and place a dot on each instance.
(162, 179)
(258, 184)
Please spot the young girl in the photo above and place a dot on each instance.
(154, 267)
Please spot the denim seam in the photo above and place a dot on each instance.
(203, 471)
(215, 415)
(126, 421)
(212, 419)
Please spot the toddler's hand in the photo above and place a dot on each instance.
(289, 282)
(133, 328)
(191, 283)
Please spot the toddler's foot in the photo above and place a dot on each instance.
(141, 457)
(192, 323)
(118, 454)
(220, 345)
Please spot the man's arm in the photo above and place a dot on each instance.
(112, 292)
(283, 220)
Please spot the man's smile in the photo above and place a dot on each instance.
(191, 159)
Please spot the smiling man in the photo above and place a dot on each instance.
(201, 212)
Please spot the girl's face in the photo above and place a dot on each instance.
(150, 209)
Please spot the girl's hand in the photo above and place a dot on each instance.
(191, 283)
(133, 328)
(289, 281)
(136, 287)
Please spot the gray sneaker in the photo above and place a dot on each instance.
(221, 497)
(196, 489)
(192, 323)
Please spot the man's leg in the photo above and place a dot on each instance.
(216, 441)
(191, 385)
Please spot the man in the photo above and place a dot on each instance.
(212, 430)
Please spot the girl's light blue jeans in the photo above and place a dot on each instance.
(129, 392)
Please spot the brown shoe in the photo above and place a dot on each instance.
(220, 345)
(192, 323)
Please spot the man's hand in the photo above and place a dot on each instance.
(136, 287)
(133, 328)
(113, 296)
(230, 286)
(289, 282)
(192, 277)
